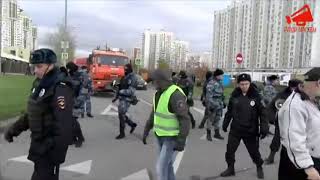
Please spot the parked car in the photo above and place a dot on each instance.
(142, 84)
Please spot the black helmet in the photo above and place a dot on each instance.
(43, 56)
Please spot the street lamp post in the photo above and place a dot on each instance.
(65, 32)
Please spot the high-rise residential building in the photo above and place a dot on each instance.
(156, 46)
(256, 29)
(19, 36)
(315, 53)
(179, 52)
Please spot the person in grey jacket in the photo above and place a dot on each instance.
(299, 123)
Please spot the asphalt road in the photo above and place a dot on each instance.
(104, 158)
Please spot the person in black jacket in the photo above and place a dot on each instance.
(272, 110)
(247, 113)
(209, 74)
(48, 116)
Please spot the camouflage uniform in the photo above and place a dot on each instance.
(126, 93)
(214, 102)
(78, 101)
(269, 92)
(186, 84)
(85, 92)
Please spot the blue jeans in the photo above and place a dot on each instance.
(166, 158)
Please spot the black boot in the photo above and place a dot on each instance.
(89, 115)
(260, 173)
(217, 135)
(201, 126)
(228, 172)
(270, 159)
(193, 124)
(121, 136)
(209, 138)
(133, 127)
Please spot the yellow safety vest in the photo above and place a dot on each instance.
(165, 122)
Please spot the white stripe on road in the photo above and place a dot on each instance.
(199, 110)
(111, 110)
(81, 168)
(145, 102)
(177, 162)
(140, 175)
(23, 159)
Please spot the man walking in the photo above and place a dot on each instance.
(215, 104)
(126, 94)
(170, 122)
(246, 112)
(186, 84)
(48, 117)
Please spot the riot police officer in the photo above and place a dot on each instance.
(209, 74)
(48, 116)
(269, 91)
(186, 84)
(215, 104)
(77, 80)
(126, 96)
(85, 92)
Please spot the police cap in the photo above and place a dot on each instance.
(244, 77)
(43, 56)
(313, 74)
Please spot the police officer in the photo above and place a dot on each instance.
(269, 91)
(247, 114)
(174, 77)
(272, 110)
(300, 131)
(86, 91)
(77, 80)
(126, 94)
(170, 121)
(48, 117)
(203, 98)
(186, 84)
(215, 104)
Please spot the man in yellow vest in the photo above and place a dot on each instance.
(170, 121)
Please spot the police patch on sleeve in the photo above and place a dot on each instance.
(252, 103)
(61, 102)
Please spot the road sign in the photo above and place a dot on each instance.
(64, 56)
(239, 58)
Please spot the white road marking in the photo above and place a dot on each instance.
(140, 175)
(204, 137)
(23, 159)
(111, 110)
(199, 110)
(177, 162)
(81, 168)
(145, 102)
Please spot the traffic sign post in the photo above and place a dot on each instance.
(239, 60)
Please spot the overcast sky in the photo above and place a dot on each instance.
(122, 22)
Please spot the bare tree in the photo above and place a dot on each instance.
(54, 41)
